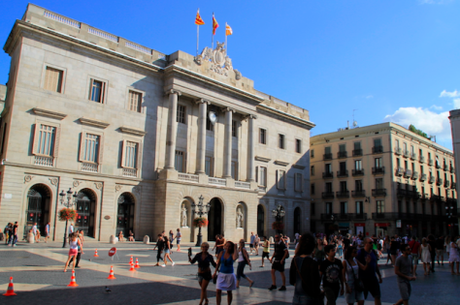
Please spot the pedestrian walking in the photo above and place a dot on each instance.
(447, 246)
(331, 273)
(425, 255)
(353, 284)
(432, 242)
(454, 256)
(243, 260)
(47, 231)
(439, 246)
(7, 232)
(405, 274)
(278, 259)
(369, 276)
(226, 279)
(394, 247)
(304, 273)
(252, 238)
(80, 238)
(265, 251)
(256, 244)
(319, 251)
(74, 243)
(167, 247)
(14, 235)
(178, 239)
(160, 246)
(415, 250)
(204, 260)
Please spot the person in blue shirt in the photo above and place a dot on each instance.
(369, 276)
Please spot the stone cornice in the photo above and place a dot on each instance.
(93, 122)
(287, 116)
(280, 162)
(213, 82)
(299, 166)
(133, 131)
(49, 113)
(262, 159)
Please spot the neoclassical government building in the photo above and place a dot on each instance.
(134, 137)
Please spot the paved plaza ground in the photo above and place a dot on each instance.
(38, 275)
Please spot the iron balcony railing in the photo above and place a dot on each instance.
(406, 154)
(357, 152)
(454, 185)
(327, 156)
(423, 177)
(432, 179)
(446, 183)
(422, 159)
(452, 170)
(341, 154)
(328, 175)
(379, 192)
(415, 176)
(377, 149)
(439, 181)
(342, 173)
(398, 151)
(342, 194)
(378, 170)
(430, 162)
(413, 156)
(399, 171)
(357, 172)
(328, 195)
(407, 173)
(357, 194)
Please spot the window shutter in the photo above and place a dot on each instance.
(90, 88)
(138, 155)
(82, 146)
(257, 174)
(123, 153)
(102, 93)
(101, 150)
(57, 134)
(35, 139)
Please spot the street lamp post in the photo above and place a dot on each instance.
(200, 210)
(450, 214)
(278, 213)
(69, 203)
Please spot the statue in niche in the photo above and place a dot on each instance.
(184, 216)
(239, 218)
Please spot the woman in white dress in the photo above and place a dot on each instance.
(447, 245)
(454, 257)
(425, 255)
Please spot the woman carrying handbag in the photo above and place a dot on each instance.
(353, 286)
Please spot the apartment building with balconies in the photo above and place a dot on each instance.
(380, 179)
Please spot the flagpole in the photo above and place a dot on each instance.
(197, 37)
(212, 40)
(226, 46)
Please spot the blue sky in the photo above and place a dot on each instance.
(392, 60)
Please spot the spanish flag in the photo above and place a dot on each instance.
(215, 25)
(228, 30)
(198, 20)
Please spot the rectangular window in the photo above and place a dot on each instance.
(130, 154)
(208, 166)
(262, 136)
(359, 207)
(379, 183)
(234, 170)
(179, 163)
(45, 138)
(4, 135)
(343, 208)
(357, 145)
(53, 79)
(358, 165)
(90, 148)
(180, 115)
(312, 170)
(396, 143)
(377, 142)
(328, 208)
(342, 148)
(378, 162)
(343, 186)
(263, 176)
(234, 129)
(281, 179)
(343, 167)
(96, 92)
(328, 168)
(298, 182)
(312, 153)
(298, 146)
(312, 189)
(327, 150)
(358, 185)
(281, 141)
(328, 187)
(312, 208)
(135, 101)
(380, 206)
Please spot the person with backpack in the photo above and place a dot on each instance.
(304, 273)
(243, 260)
(331, 272)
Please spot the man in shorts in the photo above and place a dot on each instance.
(265, 250)
(251, 243)
(369, 276)
(415, 248)
(178, 237)
(47, 231)
(278, 260)
(404, 271)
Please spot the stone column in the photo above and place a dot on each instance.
(172, 126)
(251, 167)
(201, 144)
(228, 143)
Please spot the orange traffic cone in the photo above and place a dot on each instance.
(132, 268)
(131, 260)
(10, 290)
(111, 276)
(137, 264)
(95, 254)
(73, 283)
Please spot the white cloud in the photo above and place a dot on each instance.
(436, 107)
(430, 122)
(452, 94)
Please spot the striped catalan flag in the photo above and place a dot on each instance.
(215, 25)
(228, 30)
(198, 20)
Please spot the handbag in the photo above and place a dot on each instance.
(358, 283)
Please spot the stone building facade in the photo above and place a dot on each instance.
(381, 179)
(136, 137)
(454, 211)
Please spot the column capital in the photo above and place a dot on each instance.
(173, 91)
(249, 116)
(202, 101)
(228, 109)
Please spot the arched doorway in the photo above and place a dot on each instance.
(297, 219)
(38, 199)
(125, 215)
(215, 219)
(260, 221)
(86, 204)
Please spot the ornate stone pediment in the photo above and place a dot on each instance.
(219, 61)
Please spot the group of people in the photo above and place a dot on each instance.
(11, 234)
(165, 244)
(121, 237)
(76, 240)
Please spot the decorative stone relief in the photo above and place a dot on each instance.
(53, 181)
(98, 185)
(220, 62)
(117, 187)
(184, 216)
(28, 178)
(137, 189)
(239, 218)
(76, 183)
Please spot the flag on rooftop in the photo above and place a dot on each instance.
(228, 30)
(198, 20)
(215, 25)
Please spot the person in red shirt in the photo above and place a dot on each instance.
(414, 249)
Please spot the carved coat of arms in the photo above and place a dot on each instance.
(220, 62)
